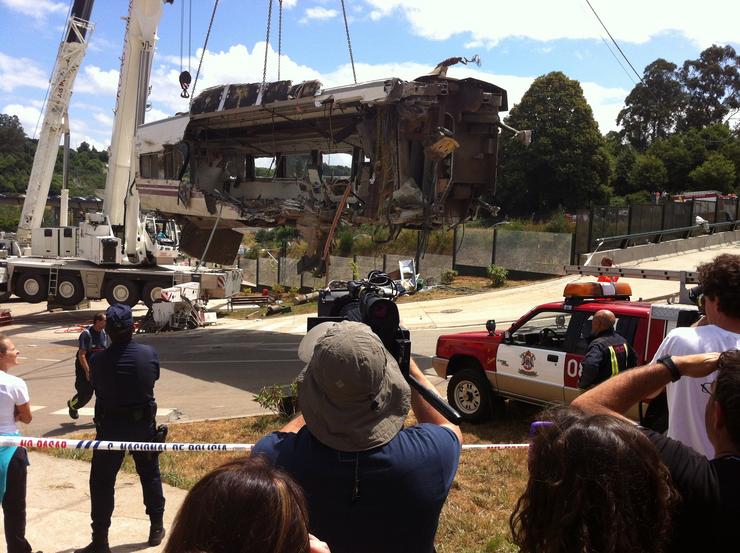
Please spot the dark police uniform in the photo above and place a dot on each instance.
(123, 377)
(608, 354)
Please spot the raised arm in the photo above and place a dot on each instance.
(423, 411)
(616, 395)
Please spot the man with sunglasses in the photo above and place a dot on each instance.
(719, 281)
(706, 519)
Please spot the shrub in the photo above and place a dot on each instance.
(345, 239)
(497, 275)
(448, 276)
(560, 223)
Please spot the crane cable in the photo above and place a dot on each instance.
(185, 78)
(349, 42)
(205, 46)
(267, 44)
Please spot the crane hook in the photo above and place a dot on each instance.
(185, 80)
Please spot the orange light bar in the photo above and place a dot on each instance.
(596, 289)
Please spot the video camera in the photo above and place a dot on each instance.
(372, 301)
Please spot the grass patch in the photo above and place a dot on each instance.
(476, 514)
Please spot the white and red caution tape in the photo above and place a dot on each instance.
(106, 445)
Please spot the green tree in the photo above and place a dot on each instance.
(716, 173)
(566, 165)
(649, 173)
(653, 106)
(677, 160)
(12, 136)
(712, 84)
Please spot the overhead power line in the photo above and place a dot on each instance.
(615, 42)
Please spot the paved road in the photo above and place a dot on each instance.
(214, 372)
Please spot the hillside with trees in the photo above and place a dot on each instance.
(87, 166)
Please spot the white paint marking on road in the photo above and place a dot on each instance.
(37, 407)
(225, 361)
(40, 359)
(90, 411)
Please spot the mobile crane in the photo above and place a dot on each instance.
(110, 254)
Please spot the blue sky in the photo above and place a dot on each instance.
(403, 38)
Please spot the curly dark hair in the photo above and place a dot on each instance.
(720, 280)
(727, 391)
(243, 506)
(596, 483)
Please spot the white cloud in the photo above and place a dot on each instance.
(629, 20)
(38, 9)
(317, 12)
(104, 119)
(20, 72)
(27, 115)
(240, 65)
(236, 65)
(94, 80)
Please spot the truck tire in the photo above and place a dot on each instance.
(152, 292)
(122, 290)
(32, 287)
(70, 290)
(5, 296)
(470, 393)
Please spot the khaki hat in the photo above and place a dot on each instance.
(352, 393)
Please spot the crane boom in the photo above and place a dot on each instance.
(121, 202)
(67, 65)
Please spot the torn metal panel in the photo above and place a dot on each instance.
(222, 248)
(422, 152)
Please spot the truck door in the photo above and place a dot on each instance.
(531, 363)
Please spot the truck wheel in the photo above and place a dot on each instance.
(470, 393)
(121, 290)
(70, 290)
(32, 287)
(152, 292)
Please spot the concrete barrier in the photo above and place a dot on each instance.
(669, 247)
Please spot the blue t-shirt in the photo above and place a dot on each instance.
(387, 499)
(91, 340)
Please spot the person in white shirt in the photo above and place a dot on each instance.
(14, 406)
(719, 331)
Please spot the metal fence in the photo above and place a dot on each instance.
(605, 221)
(477, 249)
(533, 252)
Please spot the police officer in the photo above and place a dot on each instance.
(123, 377)
(93, 339)
(608, 352)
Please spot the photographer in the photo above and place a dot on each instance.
(371, 484)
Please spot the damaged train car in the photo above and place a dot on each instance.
(422, 154)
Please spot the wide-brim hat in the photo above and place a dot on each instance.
(352, 394)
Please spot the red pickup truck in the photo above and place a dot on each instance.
(538, 359)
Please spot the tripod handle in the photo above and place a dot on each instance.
(435, 401)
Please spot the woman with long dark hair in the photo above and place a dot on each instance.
(244, 506)
(596, 483)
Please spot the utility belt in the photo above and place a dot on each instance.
(130, 413)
